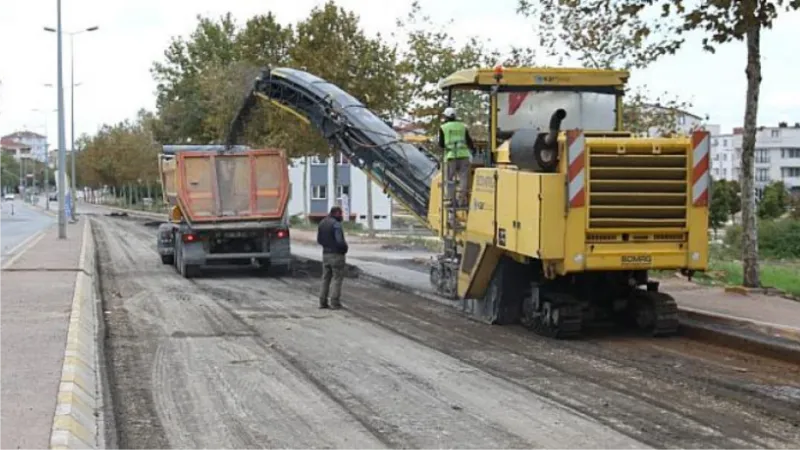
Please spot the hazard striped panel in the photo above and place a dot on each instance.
(701, 174)
(576, 171)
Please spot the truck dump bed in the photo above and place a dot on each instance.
(211, 184)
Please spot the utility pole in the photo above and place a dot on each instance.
(61, 125)
(62, 139)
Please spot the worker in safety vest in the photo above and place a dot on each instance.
(457, 144)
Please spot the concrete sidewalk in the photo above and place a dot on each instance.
(38, 291)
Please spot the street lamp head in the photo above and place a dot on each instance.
(50, 29)
(94, 28)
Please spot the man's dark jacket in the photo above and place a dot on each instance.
(331, 236)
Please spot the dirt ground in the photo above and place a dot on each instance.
(240, 360)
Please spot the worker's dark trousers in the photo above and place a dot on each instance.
(458, 167)
(333, 265)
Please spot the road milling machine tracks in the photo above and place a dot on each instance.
(567, 212)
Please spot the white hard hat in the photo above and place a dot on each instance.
(450, 112)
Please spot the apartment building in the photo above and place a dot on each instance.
(352, 183)
(777, 156)
(16, 150)
(35, 142)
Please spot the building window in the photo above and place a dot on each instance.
(342, 190)
(724, 142)
(342, 160)
(724, 156)
(762, 156)
(790, 172)
(319, 192)
(790, 153)
(714, 142)
(762, 174)
(759, 193)
(775, 133)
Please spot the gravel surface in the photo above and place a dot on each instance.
(240, 360)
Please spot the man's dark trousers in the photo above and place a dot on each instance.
(333, 266)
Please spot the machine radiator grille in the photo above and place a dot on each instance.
(637, 186)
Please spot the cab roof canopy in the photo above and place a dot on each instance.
(533, 78)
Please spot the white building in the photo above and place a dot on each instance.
(352, 182)
(36, 142)
(777, 156)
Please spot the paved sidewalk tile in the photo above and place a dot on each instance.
(36, 305)
(759, 307)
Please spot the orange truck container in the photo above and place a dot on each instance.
(228, 206)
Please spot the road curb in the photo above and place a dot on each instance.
(768, 329)
(76, 422)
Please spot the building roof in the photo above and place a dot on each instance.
(14, 145)
(23, 135)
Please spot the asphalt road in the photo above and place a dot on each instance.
(24, 223)
(245, 360)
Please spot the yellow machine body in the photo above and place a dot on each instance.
(615, 202)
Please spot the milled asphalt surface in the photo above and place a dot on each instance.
(237, 359)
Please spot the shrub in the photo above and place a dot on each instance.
(777, 239)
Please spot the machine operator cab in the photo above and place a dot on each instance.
(527, 107)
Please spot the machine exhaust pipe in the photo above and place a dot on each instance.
(555, 126)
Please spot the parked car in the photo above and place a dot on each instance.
(53, 197)
(9, 196)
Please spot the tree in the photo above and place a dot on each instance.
(432, 54)
(774, 202)
(736, 198)
(192, 65)
(722, 22)
(10, 169)
(720, 207)
(585, 30)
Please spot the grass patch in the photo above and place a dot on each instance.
(781, 275)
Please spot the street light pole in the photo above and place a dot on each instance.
(72, 99)
(62, 139)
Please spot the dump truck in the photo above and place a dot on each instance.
(567, 212)
(228, 206)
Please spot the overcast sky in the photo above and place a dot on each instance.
(113, 63)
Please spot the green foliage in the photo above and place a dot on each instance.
(203, 78)
(777, 239)
(9, 168)
(722, 196)
(120, 154)
(432, 54)
(590, 32)
(774, 202)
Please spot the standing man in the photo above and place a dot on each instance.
(334, 248)
(457, 144)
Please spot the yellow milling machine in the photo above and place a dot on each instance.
(567, 212)
(562, 227)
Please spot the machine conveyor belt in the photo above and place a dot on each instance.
(403, 170)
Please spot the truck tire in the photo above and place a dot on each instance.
(168, 259)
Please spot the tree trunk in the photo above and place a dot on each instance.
(749, 222)
(370, 216)
(306, 200)
(335, 180)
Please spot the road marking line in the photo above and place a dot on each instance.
(18, 251)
